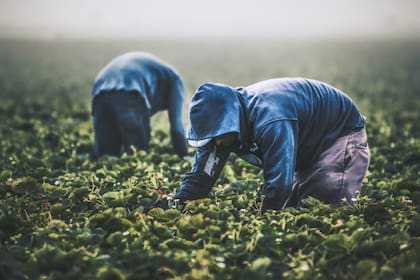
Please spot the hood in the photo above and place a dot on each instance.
(215, 109)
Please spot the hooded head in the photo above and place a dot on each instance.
(214, 110)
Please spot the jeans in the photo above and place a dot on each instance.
(120, 120)
(338, 173)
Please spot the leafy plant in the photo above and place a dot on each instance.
(65, 216)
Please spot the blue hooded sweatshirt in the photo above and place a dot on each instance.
(155, 81)
(283, 125)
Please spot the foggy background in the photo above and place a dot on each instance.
(214, 18)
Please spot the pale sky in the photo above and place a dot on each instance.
(209, 18)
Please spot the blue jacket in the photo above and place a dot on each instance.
(283, 125)
(156, 82)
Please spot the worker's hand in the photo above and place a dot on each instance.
(169, 202)
(270, 204)
(178, 204)
(263, 203)
(179, 143)
(192, 187)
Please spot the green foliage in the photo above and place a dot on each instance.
(65, 216)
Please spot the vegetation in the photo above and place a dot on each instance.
(65, 216)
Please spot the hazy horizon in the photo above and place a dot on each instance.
(217, 18)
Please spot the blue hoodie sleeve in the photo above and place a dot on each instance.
(176, 101)
(278, 144)
(208, 164)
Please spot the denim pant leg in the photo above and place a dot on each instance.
(107, 137)
(133, 120)
(339, 171)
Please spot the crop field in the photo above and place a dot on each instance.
(65, 216)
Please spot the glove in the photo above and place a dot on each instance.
(194, 186)
(264, 203)
(179, 143)
(169, 202)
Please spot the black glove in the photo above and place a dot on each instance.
(264, 203)
(193, 187)
(169, 202)
(179, 143)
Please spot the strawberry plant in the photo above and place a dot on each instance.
(65, 216)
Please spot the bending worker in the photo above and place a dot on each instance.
(126, 93)
(307, 136)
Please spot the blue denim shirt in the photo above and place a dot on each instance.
(156, 82)
(283, 125)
